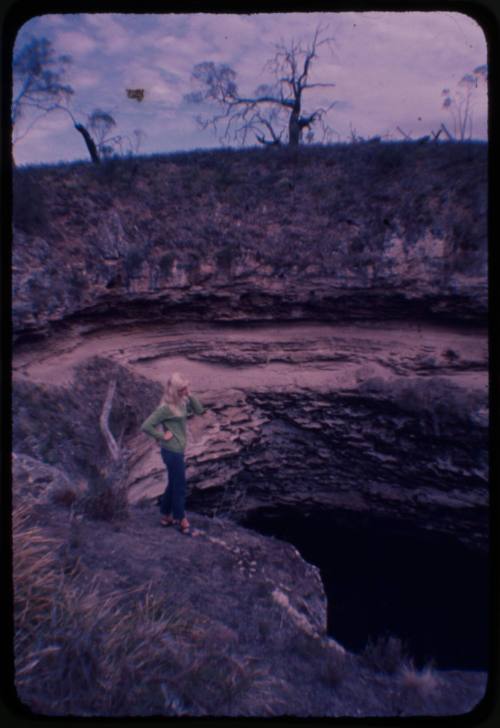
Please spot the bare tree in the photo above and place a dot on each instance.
(38, 78)
(39, 85)
(460, 102)
(273, 108)
(107, 496)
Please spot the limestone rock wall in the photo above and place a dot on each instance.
(341, 233)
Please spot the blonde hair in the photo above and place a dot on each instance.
(172, 394)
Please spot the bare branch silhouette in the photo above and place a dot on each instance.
(273, 108)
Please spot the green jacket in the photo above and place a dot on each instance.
(168, 420)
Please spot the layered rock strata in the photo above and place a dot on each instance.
(387, 420)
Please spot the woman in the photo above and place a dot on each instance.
(177, 404)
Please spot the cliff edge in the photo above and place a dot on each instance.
(146, 621)
(344, 233)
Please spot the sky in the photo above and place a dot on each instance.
(389, 71)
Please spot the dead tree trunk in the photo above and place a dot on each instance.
(89, 142)
(294, 128)
(109, 499)
(103, 422)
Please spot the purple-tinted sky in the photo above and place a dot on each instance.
(389, 70)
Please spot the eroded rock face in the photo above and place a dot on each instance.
(387, 421)
(349, 450)
(394, 232)
(364, 405)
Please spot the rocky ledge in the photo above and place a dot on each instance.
(222, 622)
(329, 308)
(387, 420)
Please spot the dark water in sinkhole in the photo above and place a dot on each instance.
(384, 577)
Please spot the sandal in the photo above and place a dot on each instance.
(184, 527)
(167, 521)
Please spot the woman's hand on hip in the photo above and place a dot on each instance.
(168, 435)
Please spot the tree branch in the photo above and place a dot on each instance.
(318, 85)
(237, 114)
(450, 136)
(406, 136)
(92, 149)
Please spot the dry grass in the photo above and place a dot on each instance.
(395, 187)
(86, 649)
(36, 580)
(330, 661)
(420, 689)
(424, 682)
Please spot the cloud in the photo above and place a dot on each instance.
(388, 67)
(75, 43)
(111, 35)
(86, 79)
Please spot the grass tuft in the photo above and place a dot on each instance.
(84, 648)
(423, 682)
(386, 654)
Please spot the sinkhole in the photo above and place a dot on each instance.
(386, 577)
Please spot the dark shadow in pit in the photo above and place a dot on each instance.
(382, 577)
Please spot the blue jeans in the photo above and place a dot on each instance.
(173, 499)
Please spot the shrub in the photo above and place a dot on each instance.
(69, 437)
(84, 648)
(435, 395)
(64, 496)
(34, 561)
(214, 681)
(307, 646)
(419, 689)
(166, 263)
(132, 261)
(106, 497)
(76, 280)
(334, 666)
(387, 654)
(225, 256)
(29, 211)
